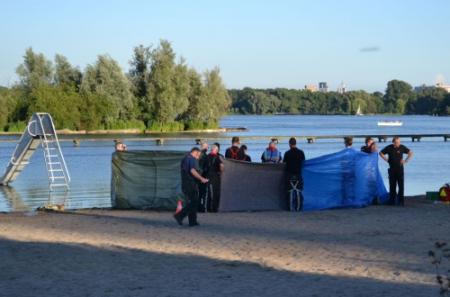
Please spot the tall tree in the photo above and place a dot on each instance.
(398, 93)
(216, 94)
(66, 75)
(35, 70)
(165, 101)
(140, 70)
(196, 97)
(105, 79)
(139, 76)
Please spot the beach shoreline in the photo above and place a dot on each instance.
(372, 251)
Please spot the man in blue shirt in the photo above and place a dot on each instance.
(190, 177)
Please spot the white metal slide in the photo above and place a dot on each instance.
(39, 131)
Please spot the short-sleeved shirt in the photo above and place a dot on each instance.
(395, 155)
(187, 164)
(294, 159)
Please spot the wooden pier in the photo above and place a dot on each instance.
(161, 140)
(198, 138)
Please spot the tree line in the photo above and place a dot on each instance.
(159, 93)
(399, 98)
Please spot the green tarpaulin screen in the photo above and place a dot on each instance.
(146, 179)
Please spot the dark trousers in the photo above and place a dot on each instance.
(203, 196)
(190, 192)
(213, 197)
(396, 177)
(292, 180)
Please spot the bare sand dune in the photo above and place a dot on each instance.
(375, 251)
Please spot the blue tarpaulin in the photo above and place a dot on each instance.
(344, 179)
(347, 178)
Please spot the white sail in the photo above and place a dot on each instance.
(358, 111)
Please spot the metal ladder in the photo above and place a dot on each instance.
(58, 174)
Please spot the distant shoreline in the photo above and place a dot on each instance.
(65, 132)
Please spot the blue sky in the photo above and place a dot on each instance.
(255, 43)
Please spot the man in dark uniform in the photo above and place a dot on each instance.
(395, 152)
(213, 172)
(294, 159)
(189, 185)
(202, 164)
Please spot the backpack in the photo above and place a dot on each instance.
(444, 193)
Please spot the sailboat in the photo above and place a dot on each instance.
(358, 111)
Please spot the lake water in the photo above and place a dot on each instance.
(90, 163)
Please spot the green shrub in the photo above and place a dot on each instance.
(197, 125)
(131, 124)
(15, 127)
(168, 127)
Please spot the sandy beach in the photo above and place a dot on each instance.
(374, 251)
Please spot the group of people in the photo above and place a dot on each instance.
(202, 167)
(200, 174)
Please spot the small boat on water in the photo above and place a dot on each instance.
(390, 123)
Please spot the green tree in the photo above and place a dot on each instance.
(166, 99)
(35, 71)
(216, 96)
(66, 75)
(106, 80)
(63, 104)
(400, 91)
(140, 70)
(9, 100)
(139, 75)
(197, 100)
(95, 111)
(428, 101)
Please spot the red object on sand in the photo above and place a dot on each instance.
(444, 193)
(179, 207)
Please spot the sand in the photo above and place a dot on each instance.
(375, 251)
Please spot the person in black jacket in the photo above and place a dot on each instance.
(202, 164)
(394, 153)
(294, 159)
(214, 170)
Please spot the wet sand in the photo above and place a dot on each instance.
(375, 251)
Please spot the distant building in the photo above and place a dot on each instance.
(342, 88)
(323, 87)
(311, 88)
(444, 86)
